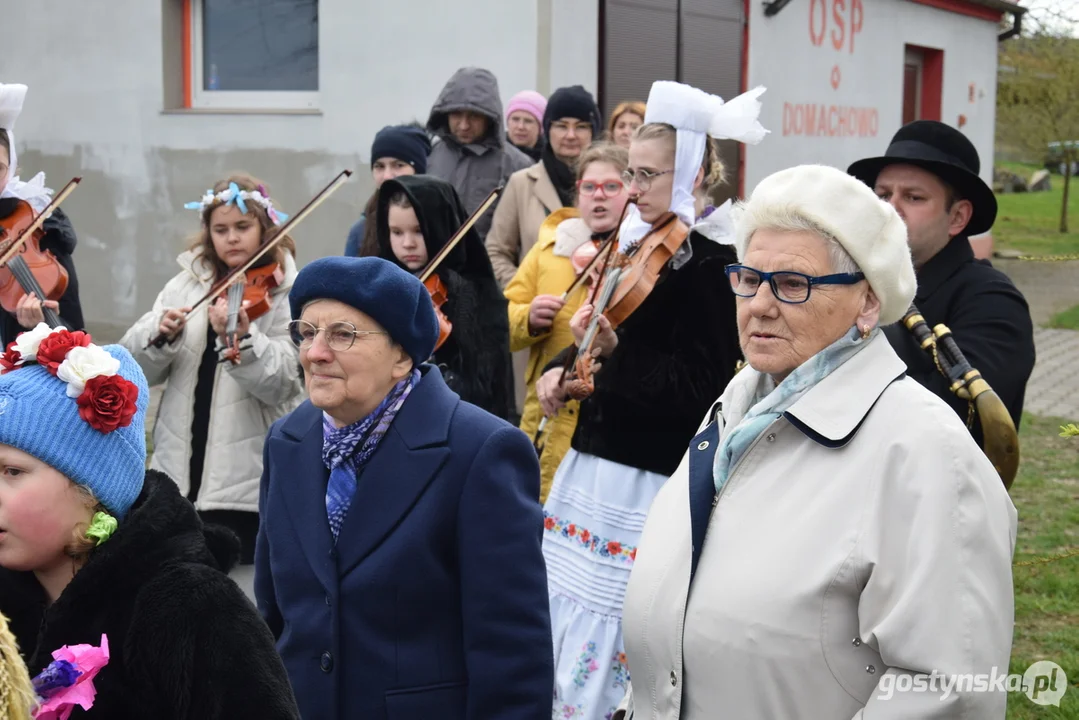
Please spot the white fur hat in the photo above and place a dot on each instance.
(868, 228)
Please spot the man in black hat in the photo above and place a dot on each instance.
(929, 174)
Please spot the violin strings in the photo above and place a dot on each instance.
(26, 279)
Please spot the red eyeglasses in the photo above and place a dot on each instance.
(610, 187)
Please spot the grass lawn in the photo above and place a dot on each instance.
(1046, 494)
(1030, 222)
(1067, 320)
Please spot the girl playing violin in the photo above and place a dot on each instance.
(215, 414)
(659, 373)
(417, 215)
(539, 317)
(58, 238)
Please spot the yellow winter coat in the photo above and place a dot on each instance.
(547, 270)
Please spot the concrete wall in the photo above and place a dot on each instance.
(862, 77)
(99, 109)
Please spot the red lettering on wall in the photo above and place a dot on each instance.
(841, 23)
(817, 38)
(821, 120)
(856, 15)
(840, 30)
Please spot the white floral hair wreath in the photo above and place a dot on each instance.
(233, 194)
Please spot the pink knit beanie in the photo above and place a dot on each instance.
(531, 102)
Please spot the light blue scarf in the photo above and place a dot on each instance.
(764, 410)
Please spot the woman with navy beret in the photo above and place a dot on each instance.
(398, 562)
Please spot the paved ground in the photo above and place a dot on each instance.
(1053, 388)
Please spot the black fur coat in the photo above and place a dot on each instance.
(475, 360)
(184, 641)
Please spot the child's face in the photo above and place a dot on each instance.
(236, 236)
(39, 511)
(406, 238)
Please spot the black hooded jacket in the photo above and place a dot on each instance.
(59, 239)
(184, 640)
(475, 360)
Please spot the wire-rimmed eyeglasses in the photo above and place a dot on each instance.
(644, 178)
(339, 335)
(787, 286)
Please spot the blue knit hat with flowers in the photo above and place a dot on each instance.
(80, 408)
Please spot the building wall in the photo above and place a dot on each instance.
(849, 55)
(99, 110)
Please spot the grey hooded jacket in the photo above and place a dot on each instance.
(476, 169)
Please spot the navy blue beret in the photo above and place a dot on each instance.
(392, 297)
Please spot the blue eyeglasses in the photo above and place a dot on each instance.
(787, 286)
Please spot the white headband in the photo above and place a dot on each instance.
(695, 115)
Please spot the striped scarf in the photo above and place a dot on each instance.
(346, 450)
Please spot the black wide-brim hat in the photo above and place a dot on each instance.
(945, 152)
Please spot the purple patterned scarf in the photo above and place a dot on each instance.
(340, 454)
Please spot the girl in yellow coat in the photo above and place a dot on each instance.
(539, 319)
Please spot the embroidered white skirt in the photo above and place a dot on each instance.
(593, 520)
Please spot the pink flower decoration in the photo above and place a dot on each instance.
(89, 660)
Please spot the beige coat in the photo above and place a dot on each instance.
(247, 398)
(527, 200)
(863, 536)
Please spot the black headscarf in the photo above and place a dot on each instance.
(475, 360)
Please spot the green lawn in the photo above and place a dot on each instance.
(1067, 320)
(1046, 494)
(1030, 222)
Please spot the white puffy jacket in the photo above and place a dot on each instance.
(247, 398)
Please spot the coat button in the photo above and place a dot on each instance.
(856, 642)
(333, 553)
(328, 603)
(326, 662)
(771, 437)
(674, 678)
(870, 669)
(703, 445)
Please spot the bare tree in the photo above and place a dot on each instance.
(1038, 99)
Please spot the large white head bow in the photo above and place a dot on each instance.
(695, 115)
(33, 192)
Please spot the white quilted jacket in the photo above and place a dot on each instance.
(247, 398)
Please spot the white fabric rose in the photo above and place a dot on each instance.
(27, 343)
(83, 363)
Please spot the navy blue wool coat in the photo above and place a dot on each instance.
(433, 603)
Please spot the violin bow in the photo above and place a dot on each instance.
(606, 251)
(459, 235)
(282, 231)
(16, 244)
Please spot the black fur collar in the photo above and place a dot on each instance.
(162, 529)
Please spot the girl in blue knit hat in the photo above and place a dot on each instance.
(213, 414)
(113, 587)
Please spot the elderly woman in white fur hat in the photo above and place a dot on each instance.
(833, 544)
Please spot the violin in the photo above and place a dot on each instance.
(24, 266)
(240, 272)
(628, 280)
(439, 296)
(435, 287)
(251, 293)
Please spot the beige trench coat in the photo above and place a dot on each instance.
(863, 536)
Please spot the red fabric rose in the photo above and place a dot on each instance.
(585, 536)
(108, 402)
(548, 523)
(54, 348)
(572, 530)
(614, 548)
(11, 359)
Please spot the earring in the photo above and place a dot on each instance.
(865, 332)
